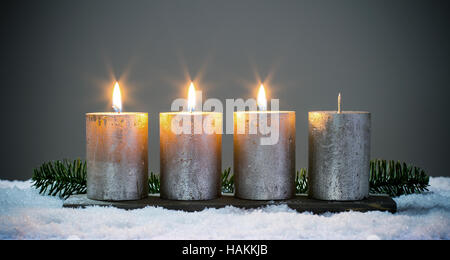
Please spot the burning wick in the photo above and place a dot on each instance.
(339, 103)
(117, 98)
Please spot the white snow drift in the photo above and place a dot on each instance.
(24, 214)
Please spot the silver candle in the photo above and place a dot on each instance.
(264, 172)
(339, 155)
(191, 161)
(117, 156)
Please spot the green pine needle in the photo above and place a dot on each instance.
(396, 178)
(61, 178)
(227, 181)
(301, 181)
(153, 183)
(64, 178)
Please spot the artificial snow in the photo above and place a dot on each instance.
(24, 214)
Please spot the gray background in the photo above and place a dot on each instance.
(59, 60)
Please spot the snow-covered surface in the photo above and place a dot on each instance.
(24, 214)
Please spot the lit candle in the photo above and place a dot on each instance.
(117, 153)
(264, 172)
(339, 154)
(190, 157)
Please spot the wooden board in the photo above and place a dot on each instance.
(300, 203)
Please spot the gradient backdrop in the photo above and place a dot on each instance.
(59, 60)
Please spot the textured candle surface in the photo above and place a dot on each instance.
(264, 172)
(191, 163)
(117, 156)
(339, 155)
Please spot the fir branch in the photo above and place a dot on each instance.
(301, 181)
(61, 178)
(227, 181)
(154, 183)
(396, 178)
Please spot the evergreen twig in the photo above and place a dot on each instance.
(227, 181)
(301, 181)
(154, 183)
(63, 178)
(396, 178)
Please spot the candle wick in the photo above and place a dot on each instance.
(117, 109)
(339, 103)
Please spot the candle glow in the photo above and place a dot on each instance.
(117, 98)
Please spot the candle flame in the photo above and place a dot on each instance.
(262, 101)
(117, 98)
(191, 98)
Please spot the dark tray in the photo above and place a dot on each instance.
(300, 203)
